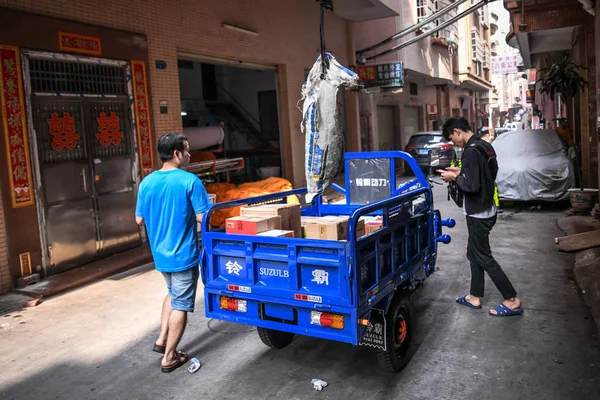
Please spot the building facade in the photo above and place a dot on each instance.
(545, 31)
(474, 61)
(446, 74)
(87, 92)
(508, 92)
(389, 118)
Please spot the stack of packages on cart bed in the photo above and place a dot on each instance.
(284, 220)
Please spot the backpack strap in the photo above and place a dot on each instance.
(483, 150)
(488, 154)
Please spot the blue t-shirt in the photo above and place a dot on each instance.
(168, 201)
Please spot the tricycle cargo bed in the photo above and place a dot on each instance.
(282, 282)
(284, 268)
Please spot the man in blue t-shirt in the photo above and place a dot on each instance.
(170, 203)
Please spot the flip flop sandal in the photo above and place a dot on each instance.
(159, 349)
(503, 311)
(463, 301)
(177, 364)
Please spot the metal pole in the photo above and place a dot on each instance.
(429, 33)
(413, 27)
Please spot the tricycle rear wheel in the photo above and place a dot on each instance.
(275, 339)
(399, 334)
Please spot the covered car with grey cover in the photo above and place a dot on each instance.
(533, 165)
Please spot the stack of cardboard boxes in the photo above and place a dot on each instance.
(278, 220)
(284, 220)
(329, 228)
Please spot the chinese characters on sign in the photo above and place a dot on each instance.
(376, 329)
(233, 267)
(505, 65)
(320, 277)
(75, 43)
(391, 74)
(371, 182)
(375, 334)
(109, 130)
(142, 115)
(63, 132)
(15, 128)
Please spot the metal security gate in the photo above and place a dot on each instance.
(84, 133)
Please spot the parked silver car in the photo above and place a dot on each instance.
(533, 165)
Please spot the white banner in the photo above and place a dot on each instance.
(505, 65)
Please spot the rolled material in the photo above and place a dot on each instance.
(203, 137)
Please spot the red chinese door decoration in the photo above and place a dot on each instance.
(109, 130)
(63, 132)
(142, 116)
(12, 109)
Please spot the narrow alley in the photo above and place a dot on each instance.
(95, 342)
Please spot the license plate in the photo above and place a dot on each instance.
(424, 151)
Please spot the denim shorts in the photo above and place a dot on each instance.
(182, 288)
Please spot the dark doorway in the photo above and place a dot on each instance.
(268, 114)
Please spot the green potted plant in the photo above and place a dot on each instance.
(563, 81)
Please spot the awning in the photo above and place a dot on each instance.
(539, 43)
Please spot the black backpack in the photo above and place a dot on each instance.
(488, 153)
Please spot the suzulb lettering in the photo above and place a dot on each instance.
(274, 272)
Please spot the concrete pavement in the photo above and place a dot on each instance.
(94, 343)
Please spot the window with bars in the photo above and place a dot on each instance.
(421, 8)
(437, 21)
(57, 76)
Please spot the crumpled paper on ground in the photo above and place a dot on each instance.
(318, 384)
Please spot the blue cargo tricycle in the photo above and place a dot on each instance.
(355, 290)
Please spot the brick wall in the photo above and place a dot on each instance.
(5, 280)
(288, 36)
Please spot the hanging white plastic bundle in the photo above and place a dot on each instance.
(322, 123)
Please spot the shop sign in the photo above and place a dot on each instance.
(505, 65)
(531, 76)
(530, 96)
(76, 43)
(382, 75)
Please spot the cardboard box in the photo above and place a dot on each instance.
(329, 228)
(373, 224)
(277, 233)
(295, 217)
(244, 225)
(289, 213)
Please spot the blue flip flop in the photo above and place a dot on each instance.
(503, 311)
(463, 300)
